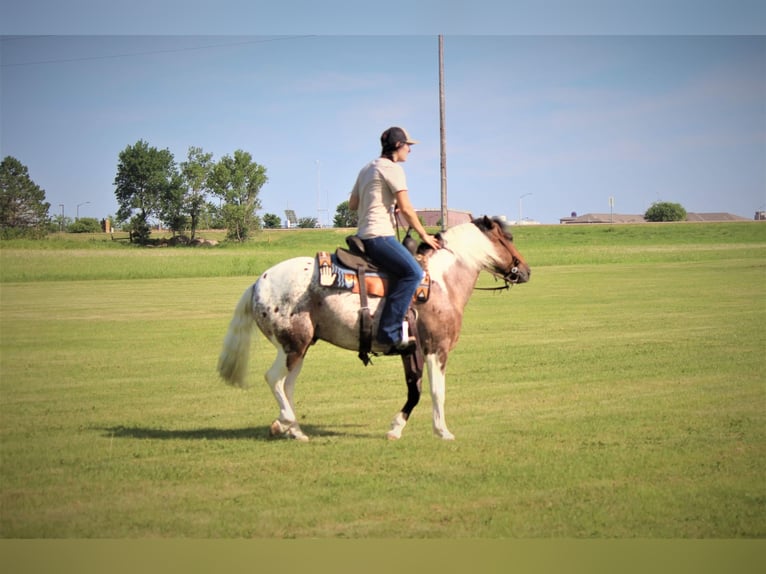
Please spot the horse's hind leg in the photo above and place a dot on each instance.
(281, 380)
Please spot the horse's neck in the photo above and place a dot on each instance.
(458, 275)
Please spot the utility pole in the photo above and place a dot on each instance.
(442, 136)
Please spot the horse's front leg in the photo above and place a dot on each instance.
(413, 374)
(436, 381)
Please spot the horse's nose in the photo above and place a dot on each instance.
(522, 274)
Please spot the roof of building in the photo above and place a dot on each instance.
(433, 217)
(623, 218)
(714, 217)
(604, 218)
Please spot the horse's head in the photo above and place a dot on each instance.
(508, 262)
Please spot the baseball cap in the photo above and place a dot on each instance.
(393, 136)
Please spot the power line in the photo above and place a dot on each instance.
(153, 52)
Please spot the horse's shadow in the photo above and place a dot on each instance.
(259, 433)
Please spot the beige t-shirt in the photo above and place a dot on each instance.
(377, 185)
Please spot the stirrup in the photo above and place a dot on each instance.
(403, 348)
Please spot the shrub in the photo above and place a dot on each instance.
(85, 225)
(665, 211)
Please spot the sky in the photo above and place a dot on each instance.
(552, 121)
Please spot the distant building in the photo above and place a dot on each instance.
(524, 221)
(760, 215)
(621, 218)
(433, 217)
(714, 217)
(603, 218)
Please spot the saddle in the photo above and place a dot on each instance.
(352, 269)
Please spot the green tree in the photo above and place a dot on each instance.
(345, 217)
(172, 206)
(308, 222)
(23, 209)
(665, 211)
(195, 172)
(146, 185)
(85, 225)
(237, 181)
(59, 223)
(272, 221)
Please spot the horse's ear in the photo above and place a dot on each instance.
(487, 222)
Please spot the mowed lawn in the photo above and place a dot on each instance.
(619, 394)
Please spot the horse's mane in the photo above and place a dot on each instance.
(469, 242)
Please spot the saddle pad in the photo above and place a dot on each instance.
(333, 274)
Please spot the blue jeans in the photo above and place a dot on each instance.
(404, 276)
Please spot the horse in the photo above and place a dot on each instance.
(293, 311)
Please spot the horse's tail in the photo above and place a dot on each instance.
(232, 364)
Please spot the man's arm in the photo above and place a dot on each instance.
(409, 213)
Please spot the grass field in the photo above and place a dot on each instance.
(619, 394)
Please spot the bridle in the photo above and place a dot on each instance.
(509, 278)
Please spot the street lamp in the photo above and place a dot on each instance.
(520, 198)
(78, 209)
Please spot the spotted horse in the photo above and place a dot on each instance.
(293, 310)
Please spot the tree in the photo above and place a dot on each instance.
(272, 221)
(308, 222)
(59, 223)
(237, 181)
(195, 172)
(665, 211)
(345, 217)
(172, 206)
(23, 209)
(146, 185)
(85, 225)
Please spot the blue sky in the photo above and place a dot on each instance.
(565, 120)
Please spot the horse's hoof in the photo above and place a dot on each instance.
(276, 429)
(288, 430)
(444, 435)
(299, 436)
(397, 426)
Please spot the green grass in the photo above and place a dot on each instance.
(90, 257)
(619, 394)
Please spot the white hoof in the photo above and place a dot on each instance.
(277, 428)
(287, 429)
(297, 434)
(444, 434)
(397, 426)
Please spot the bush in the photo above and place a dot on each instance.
(85, 225)
(665, 211)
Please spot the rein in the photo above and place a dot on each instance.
(507, 285)
(507, 282)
